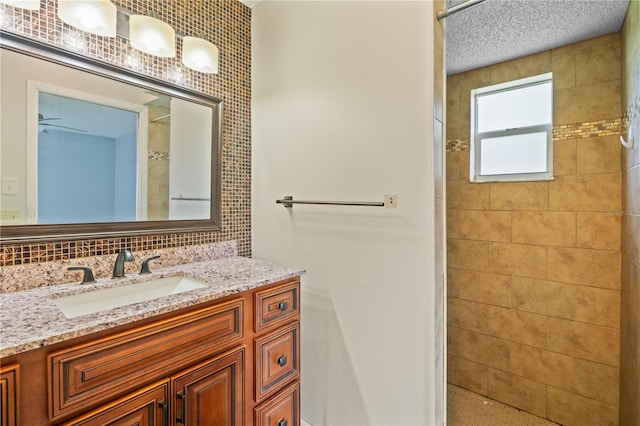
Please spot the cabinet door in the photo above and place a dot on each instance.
(9, 377)
(211, 393)
(146, 407)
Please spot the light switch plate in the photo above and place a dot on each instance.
(9, 186)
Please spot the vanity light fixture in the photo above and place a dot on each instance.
(151, 35)
(93, 16)
(200, 55)
(23, 4)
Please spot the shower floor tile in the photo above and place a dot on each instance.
(465, 408)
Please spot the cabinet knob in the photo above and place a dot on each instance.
(282, 422)
(283, 305)
(282, 360)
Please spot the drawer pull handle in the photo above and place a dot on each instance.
(165, 412)
(183, 403)
(282, 360)
(283, 305)
(282, 422)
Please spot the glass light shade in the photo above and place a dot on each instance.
(200, 55)
(23, 4)
(93, 16)
(151, 35)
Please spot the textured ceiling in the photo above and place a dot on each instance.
(499, 30)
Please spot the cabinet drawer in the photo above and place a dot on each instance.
(148, 406)
(83, 376)
(277, 360)
(9, 380)
(281, 410)
(277, 305)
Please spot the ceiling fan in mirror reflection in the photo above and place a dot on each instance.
(44, 122)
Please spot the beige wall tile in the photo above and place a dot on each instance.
(545, 297)
(570, 409)
(598, 230)
(564, 71)
(527, 66)
(464, 195)
(565, 160)
(592, 193)
(630, 240)
(544, 228)
(543, 366)
(453, 282)
(586, 341)
(486, 350)
(518, 259)
(458, 165)
(598, 63)
(467, 374)
(453, 223)
(464, 254)
(597, 306)
(519, 196)
(485, 225)
(519, 392)
(585, 44)
(587, 103)
(492, 289)
(597, 381)
(598, 268)
(598, 155)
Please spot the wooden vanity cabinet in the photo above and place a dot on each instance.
(230, 362)
(9, 382)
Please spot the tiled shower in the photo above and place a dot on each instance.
(543, 276)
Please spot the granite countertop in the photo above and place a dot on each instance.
(30, 319)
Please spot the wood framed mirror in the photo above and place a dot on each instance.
(91, 150)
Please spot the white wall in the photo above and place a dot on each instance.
(343, 110)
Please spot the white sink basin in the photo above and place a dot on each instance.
(76, 305)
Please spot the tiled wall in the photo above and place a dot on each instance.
(227, 24)
(630, 295)
(534, 267)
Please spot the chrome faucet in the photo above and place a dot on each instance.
(118, 269)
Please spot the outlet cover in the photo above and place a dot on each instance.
(391, 201)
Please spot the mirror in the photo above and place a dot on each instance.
(88, 149)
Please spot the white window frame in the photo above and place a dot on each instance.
(476, 137)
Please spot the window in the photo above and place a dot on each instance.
(511, 131)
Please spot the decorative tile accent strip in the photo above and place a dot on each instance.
(589, 129)
(227, 24)
(157, 155)
(458, 145)
(34, 275)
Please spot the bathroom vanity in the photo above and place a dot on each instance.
(224, 354)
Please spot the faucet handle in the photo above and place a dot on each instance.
(145, 265)
(88, 274)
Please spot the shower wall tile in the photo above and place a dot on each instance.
(535, 274)
(472, 375)
(587, 193)
(598, 231)
(545, 228)
(520, 260)
(525, 394)
(584, 341)
(519, 195)
(598, 155)
(598, 64)
(485, 225)
(539, 63)
(570, 409)
(587, 103)
(565, 157)
(597, 268)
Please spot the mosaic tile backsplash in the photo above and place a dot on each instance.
(227, 24)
